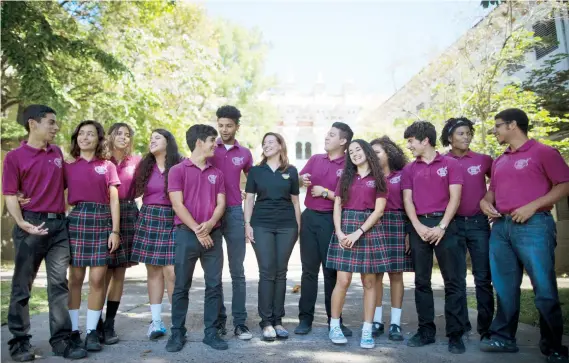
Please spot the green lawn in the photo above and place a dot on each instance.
(528, 312)
(38, 301)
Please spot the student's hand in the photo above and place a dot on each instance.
(437, 234)
(249, 233)
(31, 229)
(206, 241)
(407, 245)
(488, 209)
(341, 237)
(317, 191)
(114, 242)
(522, 214)
(243, 195)
(424, 232)
(351, 239)
(305, 179)
(22, 200)
(204, 229)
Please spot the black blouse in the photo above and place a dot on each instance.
(273, 206)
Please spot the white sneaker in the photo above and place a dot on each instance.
(367, 341)
(337, 336)
(156, 330)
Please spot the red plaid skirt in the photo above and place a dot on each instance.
(129, 215)
(90, 225)
(369, 253)
(155, 235)
(393, 225)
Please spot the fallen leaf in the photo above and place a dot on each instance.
(296, 289)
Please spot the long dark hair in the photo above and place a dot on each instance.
(283, 155)
(101, 152)
(350, 170)
(396, 158)
(112, 133)
(146, 165)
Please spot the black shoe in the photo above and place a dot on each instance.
(376, 329)
(347, 331)
(242, 332)
(493, 345)
(176, 341)
(101, 330)
(92, 343)
(75, 337)
(111, 336)
(215, 341)
(303, 328)
(221, 329)
(69, 349)
(456, 344)
(395, 333)
(557, 358)
(420, 339)
(21, 351)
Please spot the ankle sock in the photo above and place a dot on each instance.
(112, 308)
(378, 315)
(396, 316)
(367, 326)
(334, 323)
(74, 316)
(92, 319)
(156, 310)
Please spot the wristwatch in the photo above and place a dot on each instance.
(442, 226)
(325, 193)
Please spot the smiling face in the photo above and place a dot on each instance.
(46, 128)
(122, 138)
(417, 147)
(461, 138)
(87, 138)
(158, 143)
(333, 141)
(207, 147)
(271, 146)
(381, 155)
(502, 131)
(357, 155)
(227, 129)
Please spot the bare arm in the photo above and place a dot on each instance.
(377, 213)
(114, 238)
(248, 212)
(14, 209)
(181, 211)
(410, 207)
(338, 215)
(455, 191)
(487, 205)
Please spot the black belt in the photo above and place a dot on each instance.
(42, 215)
(465, 218)
(432, 215)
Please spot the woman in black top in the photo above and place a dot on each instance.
(272, 223)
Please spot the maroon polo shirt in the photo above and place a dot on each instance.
(395, 200)
(231, 162)
(38, 174)
(155, 192)
(89, 181)
(125, 171)
(475, 168)
(522, 176)
(430, 182)
(362, 194)
(199, 188)
(326, 173)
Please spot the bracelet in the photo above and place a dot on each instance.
(117, 233)
(361, 230)
(247, 222)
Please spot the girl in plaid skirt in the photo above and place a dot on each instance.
(94, 236)
(154, 236)
(392, 160)
(357, 245)
(120, 137)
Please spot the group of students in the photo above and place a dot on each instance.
(368, 211)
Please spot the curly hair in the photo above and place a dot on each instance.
(101, 152)
(421, 130)
(112, 134)
(146, 165)
(350, 170)
(451, 125)
(396, 158)
(230, 112)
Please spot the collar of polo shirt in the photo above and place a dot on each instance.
(187, 162)
(220, 143)
(525, 147)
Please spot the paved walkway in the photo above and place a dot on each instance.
(134, 316)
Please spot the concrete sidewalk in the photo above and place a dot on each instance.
(134, 317)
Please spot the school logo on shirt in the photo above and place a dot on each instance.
(474, 170)
(237, 161)
(212, 178)
(370, 183)
(395, 180)
(339, 172)
(101, 169)
(522, 163)
(57, 162)
(442, 171)
(129, 169)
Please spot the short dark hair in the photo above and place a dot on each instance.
(230, 112)
(514, 114)
(451, 125)
(199, 132)
(345, 132)
(35, 112)
(421, 130)
(102, 151)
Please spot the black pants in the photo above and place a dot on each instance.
(315, 233)
(273, 247)
(31, 250)
(451, 256)
(188, 251)
(475, 233)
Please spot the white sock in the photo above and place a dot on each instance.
(74, 316)
(92, 319)
(396, 316)
(156, 310)
(367, 326)
(378, 315)
(334, 322)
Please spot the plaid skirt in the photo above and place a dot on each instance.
(155, 235)
(368, 254)
(90, 225)
(129, 215)
(393, 225)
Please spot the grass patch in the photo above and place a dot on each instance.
(528, 312)
(38, 301)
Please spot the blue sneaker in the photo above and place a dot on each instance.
(336, 335)
(156, 330)
(367, 341)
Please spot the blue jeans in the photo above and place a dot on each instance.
(233, 229)
(531, 245)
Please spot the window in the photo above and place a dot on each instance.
(298, 150)
(307, 150)
(547, 31)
